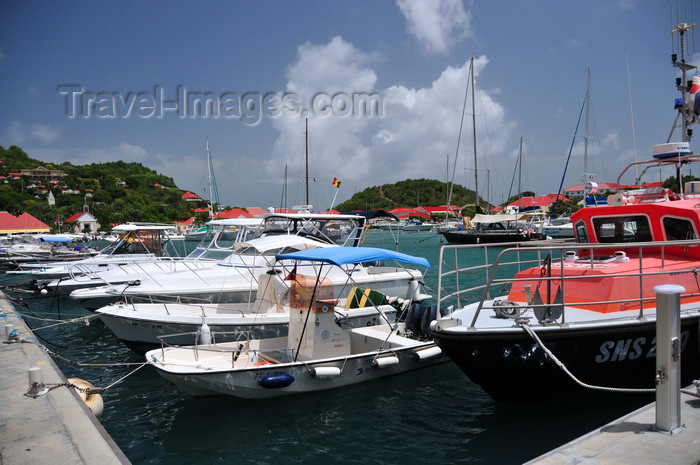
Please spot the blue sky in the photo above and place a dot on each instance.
(531, 61)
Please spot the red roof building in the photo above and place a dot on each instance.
(189, 196)
(24, 223)
(256, 211)
(233, 213)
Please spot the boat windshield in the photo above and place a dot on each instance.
(340, 231)
(218, 243)
(615, 229)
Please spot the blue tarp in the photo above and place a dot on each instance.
(348, 255)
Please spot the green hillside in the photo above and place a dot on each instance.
(408, 193)
(116, 192)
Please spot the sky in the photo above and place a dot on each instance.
(382, 86)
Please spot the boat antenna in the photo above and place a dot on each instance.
(686, 114)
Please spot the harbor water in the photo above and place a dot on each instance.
(435, 415)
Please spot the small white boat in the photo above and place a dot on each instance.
(558, 228)
(317, 354)
(416, 225)
(138, 242)
(140, 324)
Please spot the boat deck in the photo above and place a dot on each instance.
(631, 440)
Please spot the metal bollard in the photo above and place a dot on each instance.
(668, 358)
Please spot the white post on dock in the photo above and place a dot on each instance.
(668, 358)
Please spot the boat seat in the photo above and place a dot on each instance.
(358, 298)
(394, 339)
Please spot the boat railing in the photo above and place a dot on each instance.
(164, 299)
(472, 273)
(237, 344)
(479, 258)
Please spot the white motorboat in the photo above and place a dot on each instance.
(140, 324)
(137, 241)
(36, 249)
(558, 228)
(235, 279)
(416, 225)
(316, 354)
(217, 244)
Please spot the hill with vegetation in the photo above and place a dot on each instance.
(115, 192)
(408, 193)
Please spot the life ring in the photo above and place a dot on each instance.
(93, 400)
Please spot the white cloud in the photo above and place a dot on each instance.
(18, 134)
(437, 25)
(45, 133)
(14, 135)
(412, 140)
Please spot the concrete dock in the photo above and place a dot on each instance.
(631, 440)
(56, 427)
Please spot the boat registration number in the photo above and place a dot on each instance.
(632, 349)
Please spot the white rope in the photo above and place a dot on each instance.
(549, 353)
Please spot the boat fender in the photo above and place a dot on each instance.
(381, 362)
(276, 380)
(426, 354)
(324, 372)
(93, 400)
(204, 334)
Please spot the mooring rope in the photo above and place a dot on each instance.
(526, 327)
(86, 319)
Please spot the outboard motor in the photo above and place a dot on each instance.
(418, 319)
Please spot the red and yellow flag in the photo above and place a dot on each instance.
(336, 182)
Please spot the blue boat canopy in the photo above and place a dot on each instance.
(347, 255)
(56, 239)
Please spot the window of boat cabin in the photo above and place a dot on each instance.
(613, 229)
(581, 232)
(678, 229)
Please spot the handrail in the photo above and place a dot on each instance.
(450, 272)
(232, 348)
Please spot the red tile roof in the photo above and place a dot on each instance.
(22, 223)
(233, 213)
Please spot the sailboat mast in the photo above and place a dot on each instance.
(520, 173)
(586, 176)
(476, 170)
(213, 190)
(283, 201)
(306, 132)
